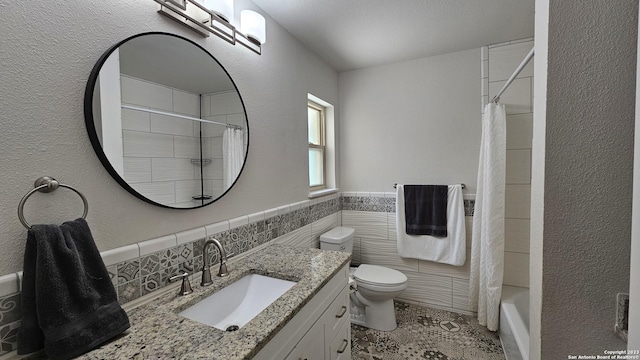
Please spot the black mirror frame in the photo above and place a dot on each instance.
(95, 142)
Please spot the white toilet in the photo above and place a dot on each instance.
(372, 302)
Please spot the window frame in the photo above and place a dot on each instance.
(323, 143)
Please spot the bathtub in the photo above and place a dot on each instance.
(514, 322)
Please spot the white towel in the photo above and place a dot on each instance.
(447, 250)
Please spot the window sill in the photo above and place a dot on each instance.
(323, 192)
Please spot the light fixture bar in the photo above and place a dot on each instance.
(176, 115)
(181, 12)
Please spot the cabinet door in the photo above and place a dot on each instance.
(341, 344)
(336, 315)
(311, 346)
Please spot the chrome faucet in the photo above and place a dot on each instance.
(206, 272)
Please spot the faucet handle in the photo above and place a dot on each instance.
(185, 288)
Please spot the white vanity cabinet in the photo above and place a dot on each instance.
(320, 331)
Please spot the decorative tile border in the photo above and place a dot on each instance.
(139, 269)
(9, 322)
(148, 273)
(386, 203)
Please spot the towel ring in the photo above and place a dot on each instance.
(47, 184)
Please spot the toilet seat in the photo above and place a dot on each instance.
(379, 277)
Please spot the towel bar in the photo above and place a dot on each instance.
(47, 184)
(463, 185)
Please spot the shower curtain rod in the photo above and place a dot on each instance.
(179, 116)
(513, 76)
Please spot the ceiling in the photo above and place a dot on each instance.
(159, 59)
(354, 34)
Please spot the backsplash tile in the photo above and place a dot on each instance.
(139, 269)
(384, 202)
(8, 337)
(9, 309)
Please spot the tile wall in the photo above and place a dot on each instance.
(373, 216)
(158, 149)
(142, 268)
(498, 63)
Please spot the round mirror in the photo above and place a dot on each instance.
(166, 120)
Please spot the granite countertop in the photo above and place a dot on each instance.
(158, 332)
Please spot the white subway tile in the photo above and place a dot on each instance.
(226, 103)
(212, 171)
(298, 238)
(170, 169)
(205, 102)
(239, 221)
(518, 201)
(349, 193)
(430, 289)
(516, 233)
(135, 120)
(517, 97)
(519, 131)
(120, 254)
(211, 130)
(484, 70)
(137, 170)
(160, 192)
(384, 253)
(371, 225)
(518, 166)
(255, 217)
(516, 269)
(188, 236)
(270, 213)
(186, 103)
(212, 147)
(145, 94)
(461, 294)
(9, 284)
(323, 225)
(186, 147)
(158, 244)
(213, 229)
(284, 209)
(504, 60)
(140, 144)
(164, 124)
(186, 189)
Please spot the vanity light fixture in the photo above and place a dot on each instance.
(254, 26)
(222, 8)
(214, 17)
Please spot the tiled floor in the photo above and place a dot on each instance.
(425, 333)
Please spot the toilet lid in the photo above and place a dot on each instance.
(379, 275)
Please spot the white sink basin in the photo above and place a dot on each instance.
(238, 303)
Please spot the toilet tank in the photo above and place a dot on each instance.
(338, 239)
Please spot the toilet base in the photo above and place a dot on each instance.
(379, 315)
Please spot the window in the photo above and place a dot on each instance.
(317, 146)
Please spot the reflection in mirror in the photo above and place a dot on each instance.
(167, 121)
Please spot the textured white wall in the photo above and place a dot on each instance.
(411, 122)
(48, 51)
(588, 128)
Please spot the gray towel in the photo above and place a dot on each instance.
(425, 209)
(69, 305)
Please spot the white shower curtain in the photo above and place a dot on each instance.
(487, 244)
(233, 155)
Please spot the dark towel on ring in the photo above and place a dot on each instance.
(425, 208)
(69, 305)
